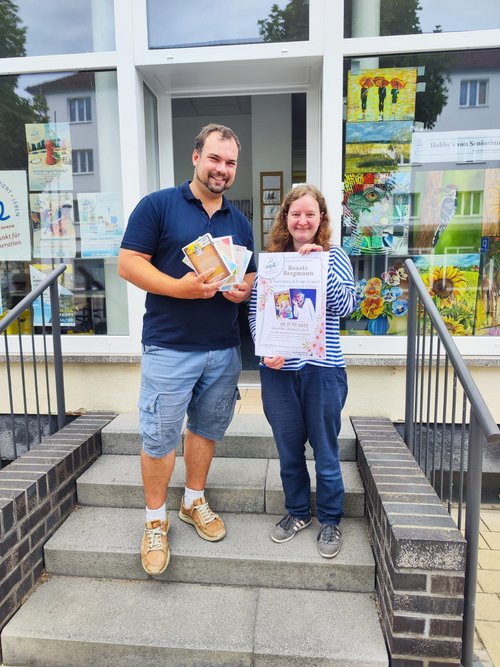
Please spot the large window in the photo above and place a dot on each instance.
(367, 18)
(51, 27)
(60, 197)
(198, 23)
(422, 180)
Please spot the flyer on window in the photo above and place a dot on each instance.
(15, 238)
(101, 226)
(291, 305)
(49, 156)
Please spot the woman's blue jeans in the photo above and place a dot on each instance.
(306, 405)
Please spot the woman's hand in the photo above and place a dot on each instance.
(275, 363)
(310, 247)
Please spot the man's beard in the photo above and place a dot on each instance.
(215, 187)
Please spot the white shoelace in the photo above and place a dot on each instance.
(154, 536)
(206, 513)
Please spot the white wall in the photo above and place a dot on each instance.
(271, 145)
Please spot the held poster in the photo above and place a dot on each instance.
(49, 156)
(15, 242)
(291, 305)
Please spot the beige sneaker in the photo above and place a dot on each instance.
(155, 554)
(208, 525)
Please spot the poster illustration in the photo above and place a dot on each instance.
(101, 223)
(291, 305)
(447, 216)
(15, 238)
(53, 225)
(452, 281)
(49, 156)
(39, 272)
(381, 94)
(488, 303)
(376, 212)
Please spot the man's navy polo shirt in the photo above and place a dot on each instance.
(163, 223)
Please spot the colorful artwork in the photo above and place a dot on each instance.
(447, 212)
(49, 156)
(381, 94)
(53, 225)
(491, 208)
(452, 281)
(101, 226)
(42, 314)
(376, 156)
(488, 302)
(376, 213)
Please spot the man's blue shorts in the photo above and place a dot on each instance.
(203, 385)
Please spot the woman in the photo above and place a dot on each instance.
(303, 397)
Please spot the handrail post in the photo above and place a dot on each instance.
(472, 521)
(410, 363)
(58, 362)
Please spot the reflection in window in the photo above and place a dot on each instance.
(440, 206)
(61, 197)
(80, 110)
(171, 24)
(55, 27)
(83, 161)
(473, 93)
(363, 18)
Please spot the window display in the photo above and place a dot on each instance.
(422, 180)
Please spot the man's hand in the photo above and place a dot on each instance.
(238, 293)
(192, 286)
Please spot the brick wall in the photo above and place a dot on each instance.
(37, 492)
(419, 552)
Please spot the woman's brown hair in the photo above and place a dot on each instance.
(280, 239)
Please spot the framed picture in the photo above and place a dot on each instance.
(271, 194)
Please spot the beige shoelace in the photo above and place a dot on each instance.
(206, 513)
(154, 536)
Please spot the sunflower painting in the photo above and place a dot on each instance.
(452, 282)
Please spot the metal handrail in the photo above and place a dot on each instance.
(49, 283)
(482, 429)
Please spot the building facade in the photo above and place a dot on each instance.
(391, 108)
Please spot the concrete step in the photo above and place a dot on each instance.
(248, 436)
(76, 622)
(233, 485)
(104, 542)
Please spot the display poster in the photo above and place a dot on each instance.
(452, 281)
(101, 223)
(385, 94)
(488, 303)
(15, 239)
(291, 305)
(447, 216)
(39, 272)
(456, 146)
(491, 208)
(49, 156)
(53, 225)
(376, 212)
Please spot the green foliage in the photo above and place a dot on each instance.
(15, 111)
(290, 24)
(13, 35)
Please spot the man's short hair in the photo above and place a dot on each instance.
(225, 133)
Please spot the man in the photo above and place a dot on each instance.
(191, 357)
